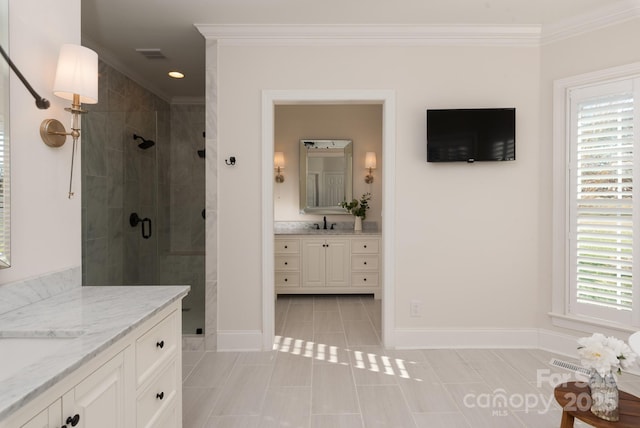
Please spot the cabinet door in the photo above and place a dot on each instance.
(338, 263)
(50, 417)
(99, 399)
(313, 262)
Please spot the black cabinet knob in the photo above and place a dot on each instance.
(285, 280)
(73, 421)
(365, 246)
(160, 396)
(365, 263)
(160, 344)
(365, 280)
(286, 263)
(285, 247)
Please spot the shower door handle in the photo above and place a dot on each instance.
(134, 220)
(146, 221)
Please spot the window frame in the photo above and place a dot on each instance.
(561, 192)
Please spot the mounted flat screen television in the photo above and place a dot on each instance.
(471, 135)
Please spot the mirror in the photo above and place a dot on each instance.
(326, 177)
(5, 226)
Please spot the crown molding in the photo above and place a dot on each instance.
(420, 35)
(380, 35)
(606, 16)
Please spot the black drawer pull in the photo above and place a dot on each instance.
(286, 246)
(286, 263)
(365, 280)
(365, 263)
(285, 280)
(160, 344)
(365, 245)
(160, 396)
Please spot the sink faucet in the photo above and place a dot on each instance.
(332, 224)
(325, 222)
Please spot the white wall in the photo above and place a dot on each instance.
(467, 235)
(45, 229)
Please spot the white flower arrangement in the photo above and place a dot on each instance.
(605, 354)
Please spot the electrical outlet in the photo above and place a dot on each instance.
(415, 308)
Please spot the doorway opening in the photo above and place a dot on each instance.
(270, 99)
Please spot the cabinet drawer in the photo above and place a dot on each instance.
(287, 246)
(287, 263)
(157, 396)
(168, 418)
(156, 346)
(363, 279)
(287, 279)
(365, 246)
(364, 262)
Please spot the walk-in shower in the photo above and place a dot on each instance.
(127, 188)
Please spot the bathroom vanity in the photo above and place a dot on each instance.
(327, 262)
(94, 357)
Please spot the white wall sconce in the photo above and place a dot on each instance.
(370, 164)
(278, 164)
(76, 80)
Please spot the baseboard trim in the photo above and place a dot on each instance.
(446, 338)
(531, 338)
(465, 338)
(239, 340)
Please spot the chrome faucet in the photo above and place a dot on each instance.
(325, 222)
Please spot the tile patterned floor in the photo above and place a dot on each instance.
(329, 369)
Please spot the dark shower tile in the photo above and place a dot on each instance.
(94, 135)
(95, 253)
(95, 212)
(115, 130)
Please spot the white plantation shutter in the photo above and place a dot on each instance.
(601, 202)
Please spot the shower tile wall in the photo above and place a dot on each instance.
(119, 178)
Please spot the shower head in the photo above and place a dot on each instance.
(145, 143)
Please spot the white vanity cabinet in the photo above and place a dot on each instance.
(97, 401)
(325, 263)
(344, 263)
(135, 382)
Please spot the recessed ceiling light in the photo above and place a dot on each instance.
(176, 74)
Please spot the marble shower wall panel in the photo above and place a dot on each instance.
(211, 270)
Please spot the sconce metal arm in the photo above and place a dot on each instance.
(41, 103)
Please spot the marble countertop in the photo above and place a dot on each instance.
(322, 232)
(95, 317)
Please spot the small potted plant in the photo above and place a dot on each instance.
(358, 208)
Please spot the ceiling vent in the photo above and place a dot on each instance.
(151, 53)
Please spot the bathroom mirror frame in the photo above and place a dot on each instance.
(5, 170)
(323, 163)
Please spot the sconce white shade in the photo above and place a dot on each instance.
(77, 73)
(278, 160)
(370, 160)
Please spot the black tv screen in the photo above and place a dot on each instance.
(470, 135)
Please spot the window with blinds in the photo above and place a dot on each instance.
(602, 202)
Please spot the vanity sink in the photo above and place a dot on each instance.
(16, 353)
